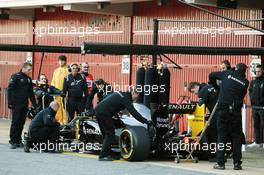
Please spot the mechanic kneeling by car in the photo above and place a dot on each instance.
(43, 127)
(109, 107)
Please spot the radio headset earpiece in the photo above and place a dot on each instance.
(69, 68)
(74, 64)
(79, 68)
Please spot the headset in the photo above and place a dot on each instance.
(74, 64)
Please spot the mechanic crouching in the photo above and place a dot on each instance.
(44, 92)
(43, 128)
(208, 96)
(233, 89)
(109, 107)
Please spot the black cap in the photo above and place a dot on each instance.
(241, 66)
(62, 58)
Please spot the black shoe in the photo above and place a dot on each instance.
(20, 145)
(219, 167)
(56, 151)
(237, 166)
(13, 146)
(27, 146)
(229, 156)
(107, 158)
(213, 160)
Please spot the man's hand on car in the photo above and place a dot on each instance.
(150, 125)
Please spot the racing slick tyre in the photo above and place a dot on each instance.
(134, 143)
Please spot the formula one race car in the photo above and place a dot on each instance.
(134, 140)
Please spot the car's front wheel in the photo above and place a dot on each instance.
(134, 143)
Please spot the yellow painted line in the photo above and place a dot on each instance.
(81, 155)
(89, 156)
(121, 160)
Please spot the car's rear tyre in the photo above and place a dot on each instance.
(134, 143)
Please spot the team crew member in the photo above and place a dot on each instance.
(225, 65)
(208, 96)
(233, 89)
(256, 93)
(57, 82)
(104, 112)
(75, 88)
(90, 83)
(20, 89)
(43, 127)
(43, 90)
(89, 77)
(101, 89)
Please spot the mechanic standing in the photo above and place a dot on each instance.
(256, 93)
(89, 77)
(90, 83)
(43, 127)
(101, 89)
(75, 89)
(225, 65)
(57, 82)
(104, 112)
(20, 89)
(233, 89)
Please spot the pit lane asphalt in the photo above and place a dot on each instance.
(17, 162)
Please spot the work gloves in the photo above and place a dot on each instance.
(150, 123)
